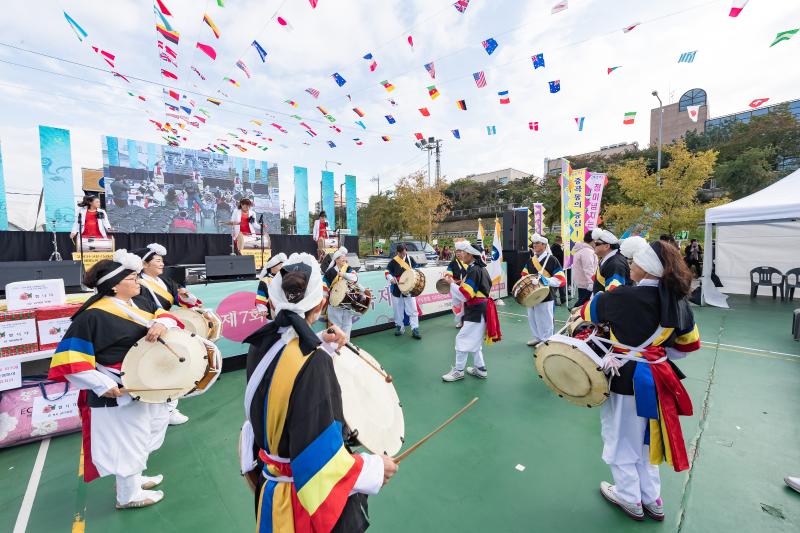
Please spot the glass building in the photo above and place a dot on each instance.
(745, 116)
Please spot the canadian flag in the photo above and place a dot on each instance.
(737, 7)
(694, 112)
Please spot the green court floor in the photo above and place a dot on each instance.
(744, 436)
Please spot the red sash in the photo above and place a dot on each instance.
(493, 333)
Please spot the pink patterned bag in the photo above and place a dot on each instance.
(37, 410)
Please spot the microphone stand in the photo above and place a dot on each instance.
(261, 231)
(55, 256)
(80, 240)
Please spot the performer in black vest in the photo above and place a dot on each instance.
(541, 315)
(402, 304)
(612, 269)
(457, 270)
(268, 273)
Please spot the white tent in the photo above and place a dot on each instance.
(762, 229)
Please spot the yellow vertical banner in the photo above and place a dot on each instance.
(566, 171)
(577, 195)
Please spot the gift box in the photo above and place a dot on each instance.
(38, 410)
(18, 332)
(52, 322)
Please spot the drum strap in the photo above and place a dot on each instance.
(634, 352)
(402, 263)
(539, 266)
(130, 312)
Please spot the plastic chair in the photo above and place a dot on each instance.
(763, 277)
(791, 285)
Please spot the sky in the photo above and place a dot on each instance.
(49, 77)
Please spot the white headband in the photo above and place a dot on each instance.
(471, 249)
(313, 295)
(538, 238)
(604, 235)
(126, 262)
(461, 245)
(642, 253)
(275, 260)
(156, 249)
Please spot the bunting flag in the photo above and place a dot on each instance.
(461, 5)
(611, 69)
(559, 7)
(313, 3)
(338, 79)
(687, 57)
(411, 42)
(322, 110)
(291, 103)
(388, 86)
(284, 23)
(431, 70)
(261, 52)
(579, 122)
(242, 66)
(392, 101)
(358, 112)
(490, 45)
(372, 63)
(168, 59)
(108, 57)
(390, 119)
(462, 104)
(758, 101)
(172, 36)
(166, 74)
(360, 123)
(629, 117)
(538, 61)
(491, 130)
(213, 101)
(142, 98)
(737, 7)
(206, 113)
(118, 75)
(419, 136)
(313, 92)
(456, 134)
(630, 28)
(693, 111)
(80, 33)
(172, 94)
(555, 86)
(256, 122)
(784, 36)
(534, 126)
(385, 138)
(171, 106)
(424, 111)
(480, 79)
(331, 144)
(221, 3)
(358, 141)
(433, 92)
(163, 8)
(207, 50)
(231, 81)
(211, 25)
(504, 97)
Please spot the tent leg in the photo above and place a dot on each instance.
(708, 253)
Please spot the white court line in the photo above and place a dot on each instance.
(33, 485)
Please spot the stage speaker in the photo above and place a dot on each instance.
(230, 267)
(508, 231)
(521, 230)
(176, 273)
(69, 271)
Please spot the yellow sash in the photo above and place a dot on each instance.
(158, 290)
(402, 263)
(539, 267)
(107, 305)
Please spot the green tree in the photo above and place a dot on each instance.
(379, 218)
(750, 171)
(422, 206)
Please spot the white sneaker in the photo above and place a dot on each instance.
(533, 342)
(149, 497)
(477, 372)
(151, 482)
(634, 510)
(793, 482)
(176, 418)
(453, 375)
(654, 510)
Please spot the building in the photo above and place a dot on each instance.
(502, 177)
(552, 167)
(676, 117)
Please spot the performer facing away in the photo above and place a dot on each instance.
(244, 220)
(164, 293)
(456, 270)
(540, 316)
(340, 270)
(650, 323)
(320, 234)
(118, 433)
(612, 270)
(295, 432)
(402, 304)
(480, 315)
(93, 219)
(268, 273)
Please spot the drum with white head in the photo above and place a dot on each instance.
(572, 369)
(411, 282)
(204, 322)
(527, 291)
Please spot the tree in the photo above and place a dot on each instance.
(422, 206)
(666, 207)
(750, 171)
(380, 217)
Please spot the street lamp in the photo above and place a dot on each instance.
(431, 144)
(660, 128)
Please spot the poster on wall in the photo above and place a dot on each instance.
(156, 188)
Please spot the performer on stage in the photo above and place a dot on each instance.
(93, 219)
(320, 234)
(340, 270)
(480, 316)
(295, 432)
(540, 316)
(164, 293)
(402, 304)
(650, 322)
(456, 270)
(118, 433)
(244, 220)
(612, 270)
(268, 273)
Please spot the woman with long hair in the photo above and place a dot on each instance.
(93, 220)
(244, 221)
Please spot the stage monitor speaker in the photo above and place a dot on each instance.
(176, 273)
(69, 271)
(230, 267)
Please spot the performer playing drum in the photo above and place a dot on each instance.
(294, 433)
(164, 293)
(612, 269)
(650, 322)
(402, 304)
(93, 220)
(480, 315)
(321, 234)
(540, 317)
(118, 433)
(340, 272)
(268, 273)
(456, 270)
(244, 220)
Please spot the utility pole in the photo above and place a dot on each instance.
(660, 131)
(378, 180)
(438, 161)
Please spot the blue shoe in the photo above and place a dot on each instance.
(415, 333)
(398, 331)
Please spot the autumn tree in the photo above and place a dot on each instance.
(380, 218)
(421, 206)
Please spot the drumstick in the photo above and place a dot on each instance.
(388, 377)
(180, 357)
(146, 390)
(434, 432)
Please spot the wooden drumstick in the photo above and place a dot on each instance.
(173, 352)
(388, 377)
(434, 432)
(124, 389)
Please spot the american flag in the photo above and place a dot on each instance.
(313, 92)
(431, 70)
(480, 79)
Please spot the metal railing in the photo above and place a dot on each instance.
(484, 210)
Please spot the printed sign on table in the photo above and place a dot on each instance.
(35, 293)
(45, 410)
(10, 375)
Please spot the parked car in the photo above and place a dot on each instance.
(416, 248)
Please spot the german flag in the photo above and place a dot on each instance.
(462, 105)
(214, 101)
(171, 36)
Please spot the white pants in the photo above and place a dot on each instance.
(407, 304)
(458, 316)
(342, 318)
(540, 319)
(470, 340)
(635, 479)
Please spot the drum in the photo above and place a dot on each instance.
(350, 296)
(371, 407)
(528, 292)
(251, 242)
(95, 244)
(443, 286)
(572, 369)
(153, 372)
(412, 282)
(203, 322)
(338, 292)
